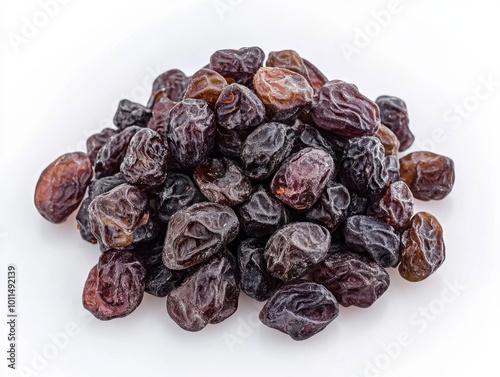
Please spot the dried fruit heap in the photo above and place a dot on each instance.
(255, 175)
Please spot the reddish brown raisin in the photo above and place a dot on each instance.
(388, 140)
(206, 85)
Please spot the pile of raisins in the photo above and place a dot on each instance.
(252, 175)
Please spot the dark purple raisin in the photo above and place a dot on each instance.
(394, 115)
(96, 142)
(331, 208)
(172, 83)
(105, 184)
(83, 222)
(131, 114)
(240, 65)
(392, 167)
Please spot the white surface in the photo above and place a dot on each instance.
(63, 84)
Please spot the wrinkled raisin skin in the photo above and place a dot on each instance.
(131, 114)
(288, 59)
(83, 221)
(352, 278)
(196, 233)
(115, 286)
(223, 182)
(331, 208)
(388, 140)
(61, 186)
(317, 78)
(96, 142)
(373, 237)
(301, 179)
(300, 310)
(171, 83)
(341, 109)
(392, 167)
(208, 296)
(422, 247)
(105, 184)
(430, 176)
(294, 248)
(394, 115)
(206, 85)
(241, 65)
(158, 121)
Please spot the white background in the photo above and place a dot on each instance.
(62, 83)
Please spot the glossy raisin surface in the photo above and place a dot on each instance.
(223, 182)
(209, 295)
(363, 167)
(61, 186)
(191, 132)
(341, 109)
(172, 84)
(352, 278)
(83, 222)
(392, 167)
(115, 215)
(422, 247)
(115, 286)
(256, 281)
(161, 280)
(301, 179)
(294, 248)
(239, 108)
(240, 65)
(178, 192)
(300, 310)
(388, 140)
(310, 137)
(430, 176)
(206, 85)
(316, 77)
(288, 59)
(394, 115)
(196, 233)
(96, 142)
(395, 206)
(373, 237)
(230, 142)
(105, 184)
(331, 208)
(131, 114)
(158, 121)
(284, 93)
(265, 149)
(358, 204)
(262, 214)
(111, 155)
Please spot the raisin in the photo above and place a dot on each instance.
(352, 278)
(114, 215)
(62, 185)
(395, 207)
(341, 109)
(178, 192)
(191, 132)
(105, 184)
(238, 108)
(96, 142)
(115, 286)
(240, 65)
(131, 114)
(388, 140)
(422, 247)
(265, 149)
(288, 59)
(172, 84)
(378, 240)
(284, 93)
(310, 137)
(316, 77)
(300, 310)
(209, 295)
(147, 229)
(363, 167)
(110, 156)
(430, 176)
(145, 163)
(196, 233)
(158, 121)
(331, 208)
(358, 205)
(256, 281)
(160, 280)
(262, 214)
(302, 177)
(206, 85)
(392, 168)
(83, 221)
(394, 114)
(230, 142)
(294, 248)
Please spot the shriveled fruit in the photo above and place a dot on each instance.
(206, 85)
(96, 142)
(171, 83)
(392, 168)
(331, 208)
(394, 115)
(158, 121)
(131, 114)
(105, 184)
(316, 77)
(300, 310)
(61, 186)
(209, 295)
(115, 286)
(196, 233)
(422, 247)
(288, 59)
(241, 65)
(294, 248)
(302, 177)
(430, 176)
(352, 278)
(388, 140)
(83, 221)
